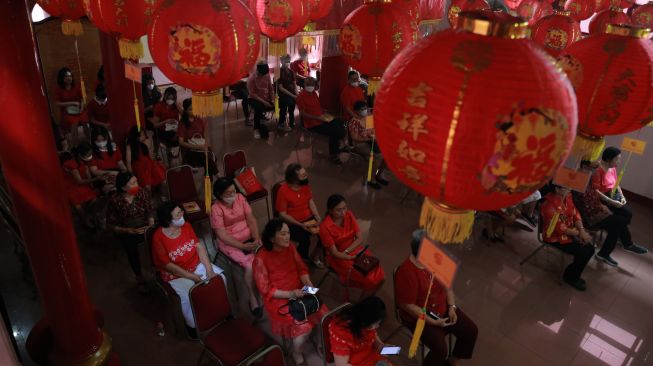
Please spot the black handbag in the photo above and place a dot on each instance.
(301, 308)
(365, 263)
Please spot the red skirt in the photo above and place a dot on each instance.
(149, 172)
(69, 121)
(80, 193)
(285, 325)
(352, 277)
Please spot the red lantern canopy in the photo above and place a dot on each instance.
(280, 19)
(129, 21)
(600, 5)
(556, 32)
(319, 8)
(372, 35)
(613, 77)
(458, 6)
(532, 10)
(204, 47)
(447, 133)
(643, 15)
(431, 9)
(92, 8)
(580, 9)
(613, 15)
(69, 11)
(411, 8)
(623, 4)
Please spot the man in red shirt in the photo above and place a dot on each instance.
(317, 120)
(261, 94)
(562, 227)
(351, 93)
(443, 317)
(301, 67)
(98, 108)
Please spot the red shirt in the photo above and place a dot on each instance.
(411, 287)
(181, 251)
(164, 112)
(309, 103)
(568, 217)
(99, 112)
(349, 96)
(361, 351)
(261, 86)
(295, 203)
(74, 94)
(106, 161)
(301, 68)
(197, 127)
(341, 236)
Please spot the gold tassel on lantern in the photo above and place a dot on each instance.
(445, 224)
(371, 163)
(373, 85)
(72, 28)
(552, 224)
(419, 327)
(207, 104)
(277, 48)
(276, 108)
(136, 109)
(130, 50)
(207, 181)
(588, 147)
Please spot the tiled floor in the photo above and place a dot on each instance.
(524, 315)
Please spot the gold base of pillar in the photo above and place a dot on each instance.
(101, 357)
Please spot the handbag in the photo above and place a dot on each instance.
(301, 308)
(365, 263)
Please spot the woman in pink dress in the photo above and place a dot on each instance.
(280, 274)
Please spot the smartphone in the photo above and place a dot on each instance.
(390, 350)
(434, 315)
(310, 290)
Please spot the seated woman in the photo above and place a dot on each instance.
(68, 97)
(296, 207)
(129, 214)
(341, 236)
(98, 109)
(412, 292)
(353, 336)
(151, 95)
(180, 257)
(237, 232)
(107, 159)
(563, 228)
(193, 135)
(361, 135)
(78, 181)
(280, 274)
(603, 205)
(150, 173)
(166, 121)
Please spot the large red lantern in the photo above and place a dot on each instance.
(458, 6)
(449, 131)
(431, 9)
(556, 32)
(532, 10)
(204, 47)
(280, 19)
(70, 11)
(129, 21)
(319, 8)
(614, 15)
(643, 15)
(580, 9)
(372, 35)
(92, 8)
(600, 5)
(623, 4)
(613, 77)
(411, 8)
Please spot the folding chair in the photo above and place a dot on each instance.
(302, 135)
(327, 357)
(230, 265)
(271, 356)
(331, 271)
(398, 318)
(237, 160)
(275, 192)
(182, 190)
(228, 340)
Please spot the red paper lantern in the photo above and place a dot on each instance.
(449, 131)
(643, 15)
(556, 32)
(623, 4)
(431, 9)
(532, 10)
(204, 47)
(601, 20)
(580, 9)
(458, 6)
(69, 11)
(319, 8)
(411, 8)
(129, 21)
(92, 8)
(613, 77)
(512, 4)
(372, 35)
(280, 19)
(601, 5)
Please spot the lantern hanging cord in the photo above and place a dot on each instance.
(82, 85)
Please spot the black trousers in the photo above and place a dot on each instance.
(259, 109)
(286, 106)
(582, 254)
(335, 130)
(302, 238)
(130, 244)
(197, 159)
(617, 227)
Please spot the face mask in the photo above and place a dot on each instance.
(170, 101)
(179, 222)
(310, 89)
(364, 112)
(263, 69)
(87, 158)
(303, 182)
(286, 65)
(355, 84)
(101, 101)
(134, 190)
(101, 145)
(229, 200)
(150, 86)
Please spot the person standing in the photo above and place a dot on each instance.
(261, 95)
(351, 93)
(301, 67)
(287, 91)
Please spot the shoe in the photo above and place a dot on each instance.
(257, 135)
(257, 313)
(637, 249)
(578, 284)
(607, 260)
(192, 333)
(287, 128)
(382, 181)
(374, 185)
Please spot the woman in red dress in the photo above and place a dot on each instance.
(353, 337)
(68, 98)
(78, 179)
(280, 274)
(107, 159)
(341, 236)
(194, 139)
(166, 121)
(150, 173)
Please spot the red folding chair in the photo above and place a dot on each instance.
(182, 190)
(275, 192)
(272, 356)
(327, 357)
(235, 161)
(228, 340)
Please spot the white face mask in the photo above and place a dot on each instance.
(364, 112)
(310, 89)
(150, 86)
(101, 101)
(178, 222)
(355, 84)
(170, 101)
(101, 144)
(229, 200)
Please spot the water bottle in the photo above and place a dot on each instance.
(161, 329)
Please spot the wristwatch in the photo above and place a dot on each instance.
(453, 306)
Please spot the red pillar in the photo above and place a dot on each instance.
(35, 180)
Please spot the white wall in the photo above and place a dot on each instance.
(639, 172)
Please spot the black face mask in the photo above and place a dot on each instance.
(303, 182)
(263, 69)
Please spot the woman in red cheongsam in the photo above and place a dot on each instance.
(150, 172)
(280, 274)
(107, 159)
(78, 179)
(341, 236)
(68, 97)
